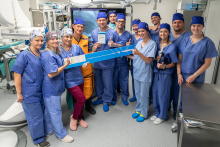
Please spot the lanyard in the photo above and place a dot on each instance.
(29, 49)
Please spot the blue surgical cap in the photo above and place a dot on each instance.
(197, 20)
(143, 25)
(155, 14)
(165, 26)
(136, 21)
(101, 15)
(120, 16)
(178, 16)
(78, 21)
(111, 12)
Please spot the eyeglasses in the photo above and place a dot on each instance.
(122, 22)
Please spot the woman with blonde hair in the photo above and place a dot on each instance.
(53, 84)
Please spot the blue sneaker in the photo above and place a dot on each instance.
(132, 99)
(113, 103)
(125, 102)
(97, 102)
(135, 115)
(141, 118)
(105, 108)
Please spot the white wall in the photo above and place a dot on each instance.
(25, 5)
(166, 9)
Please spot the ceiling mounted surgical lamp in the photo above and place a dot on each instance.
(126, 3)
(83, 4)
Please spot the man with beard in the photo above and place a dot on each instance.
(154, 30)
(112, 19)
(177, 36)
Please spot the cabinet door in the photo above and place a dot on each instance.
(213, 32)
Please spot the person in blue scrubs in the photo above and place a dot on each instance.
(28, 77)
(121, 70)
(164, 66)
(144, 54)
(53, 84)
(74, 81)
(195, 54)
(103, 70)
(135, 38)
(154, 30)
(176, 37)
(112, 19)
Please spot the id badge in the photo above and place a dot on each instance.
(102, 37)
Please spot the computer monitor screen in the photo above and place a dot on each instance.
(89, 16)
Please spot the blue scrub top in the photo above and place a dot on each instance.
(134, 40)
(177, 41)
(194, 54)
(125, 36)
(52, 86)
(30, 68)
(73, 76)
(143, 72)
(154, 35)
(110, 33)
(170, 52)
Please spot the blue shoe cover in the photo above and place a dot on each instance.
(132, 99)
(135, 115)
(97, 102)
(140, 119)
(125, 102)
(105, 108)
(113, 103)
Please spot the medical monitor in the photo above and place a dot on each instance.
(89, 16)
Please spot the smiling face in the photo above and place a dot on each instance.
(37, 42)
(67, 40)
(155, 20)
(120, 23)
(178, 25)
(102, 22)
(135, 28)
(196, 29)
(164, 33)
(78, 28)
(112, 18)
(142, 33)
(54, 43)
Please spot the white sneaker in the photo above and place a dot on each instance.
(158, 121)
(153, 118)
(67, 139)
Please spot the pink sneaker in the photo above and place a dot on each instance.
(82, 123)
(73, 124)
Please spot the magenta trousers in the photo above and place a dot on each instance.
(77, 93)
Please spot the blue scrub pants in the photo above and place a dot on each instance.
(103, 84)
(161, 94)
(53, 106)
(175, 91)
(121, 73)
(142, 94)
(199, 79)
(132, 76)
(38, 124)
